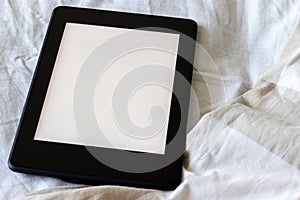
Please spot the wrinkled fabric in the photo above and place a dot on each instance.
(246, 143)
(247, 149)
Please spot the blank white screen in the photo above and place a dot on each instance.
(57, 123)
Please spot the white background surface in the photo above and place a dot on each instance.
(243, 38)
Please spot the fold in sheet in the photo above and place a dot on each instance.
(247, 149)
(243, 39)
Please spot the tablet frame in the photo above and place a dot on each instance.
(74, 163)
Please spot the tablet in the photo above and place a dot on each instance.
(108, 101)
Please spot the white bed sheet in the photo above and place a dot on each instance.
(241, 38)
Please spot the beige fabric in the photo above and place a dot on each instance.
(246, 149)
(269, 113)
(105, 192)
(242, 39)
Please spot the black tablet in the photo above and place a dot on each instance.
(109, 100)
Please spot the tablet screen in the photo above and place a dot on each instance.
(79, 42)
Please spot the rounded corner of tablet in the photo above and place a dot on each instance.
(193, 22)
(59, 8)
(12, 164)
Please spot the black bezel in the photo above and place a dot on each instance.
(73, 162)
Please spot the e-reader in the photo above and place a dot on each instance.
(108, 102)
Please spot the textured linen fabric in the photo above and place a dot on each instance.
(244, 147)
(247, 149)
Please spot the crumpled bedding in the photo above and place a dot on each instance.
(244, 139)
